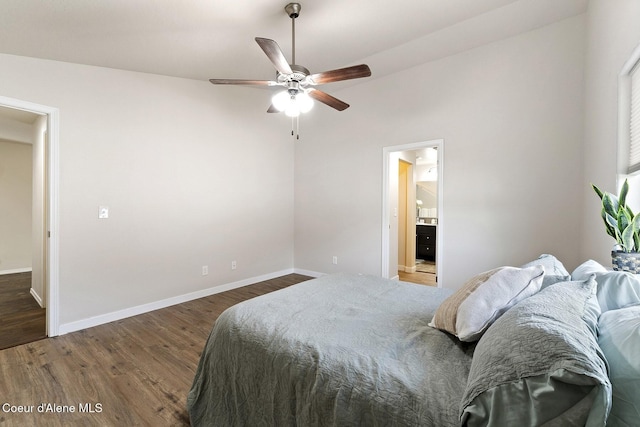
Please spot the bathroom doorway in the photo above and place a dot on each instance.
(412, 212)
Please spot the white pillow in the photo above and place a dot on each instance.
(586, 269)
(484, 298)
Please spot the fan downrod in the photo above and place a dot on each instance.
(293, 10)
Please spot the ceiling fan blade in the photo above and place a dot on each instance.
(273, 109)
(275, 55)
(243, 82)
(348, 73)
(327, 99)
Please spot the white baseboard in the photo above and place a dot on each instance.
(77, 325)
(36, 297)
(15, 271)
(407, 269)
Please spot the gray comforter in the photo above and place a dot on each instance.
(339, 350)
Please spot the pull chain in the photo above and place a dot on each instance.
(295, 127)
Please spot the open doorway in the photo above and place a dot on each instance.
(26, 123)
(412, 226)
(22, 201)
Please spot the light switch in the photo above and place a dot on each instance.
(103, 212)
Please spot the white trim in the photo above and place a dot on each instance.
(386, 220)
(53, 130)
(90, 322)
(36, 297)
(624, 114)
(15, 271)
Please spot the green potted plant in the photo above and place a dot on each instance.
(623, 225)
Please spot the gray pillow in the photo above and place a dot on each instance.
(554, 270)
(540, 363)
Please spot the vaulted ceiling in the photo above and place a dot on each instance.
(201, 39)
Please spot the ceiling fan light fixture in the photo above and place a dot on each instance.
(292, 102)
(297, 97)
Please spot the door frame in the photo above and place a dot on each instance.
(386, 208)
(51, 279)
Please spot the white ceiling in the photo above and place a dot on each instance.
(202, 39)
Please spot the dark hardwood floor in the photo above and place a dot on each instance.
(135, 371)
(22, 320)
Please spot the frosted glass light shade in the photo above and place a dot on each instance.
(292, 105)
(304, 101)
(293, 109)
(281, 100)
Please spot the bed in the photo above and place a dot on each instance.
(350, 349)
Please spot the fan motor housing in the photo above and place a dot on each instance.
(298, 75)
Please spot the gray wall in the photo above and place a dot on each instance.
(193, 175)
(614, 32)
(15, 206)
(511, 116)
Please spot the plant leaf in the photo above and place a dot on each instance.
(620, 240)
(624, 219)
(629, 211)
(623, 193)
(610, 204)
(598, 191)
(615, 201)
(636, 222)
(627, 238)
(636, 231)
(610, 223)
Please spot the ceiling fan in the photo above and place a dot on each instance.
(298, 82)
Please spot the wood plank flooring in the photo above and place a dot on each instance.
(133, 372)
(22, 320)
(418, 277)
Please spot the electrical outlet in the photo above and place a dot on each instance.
(103, 212)
(205, 270)
(335, 260)
(233, 265)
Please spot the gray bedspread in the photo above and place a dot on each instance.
(341, 350)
